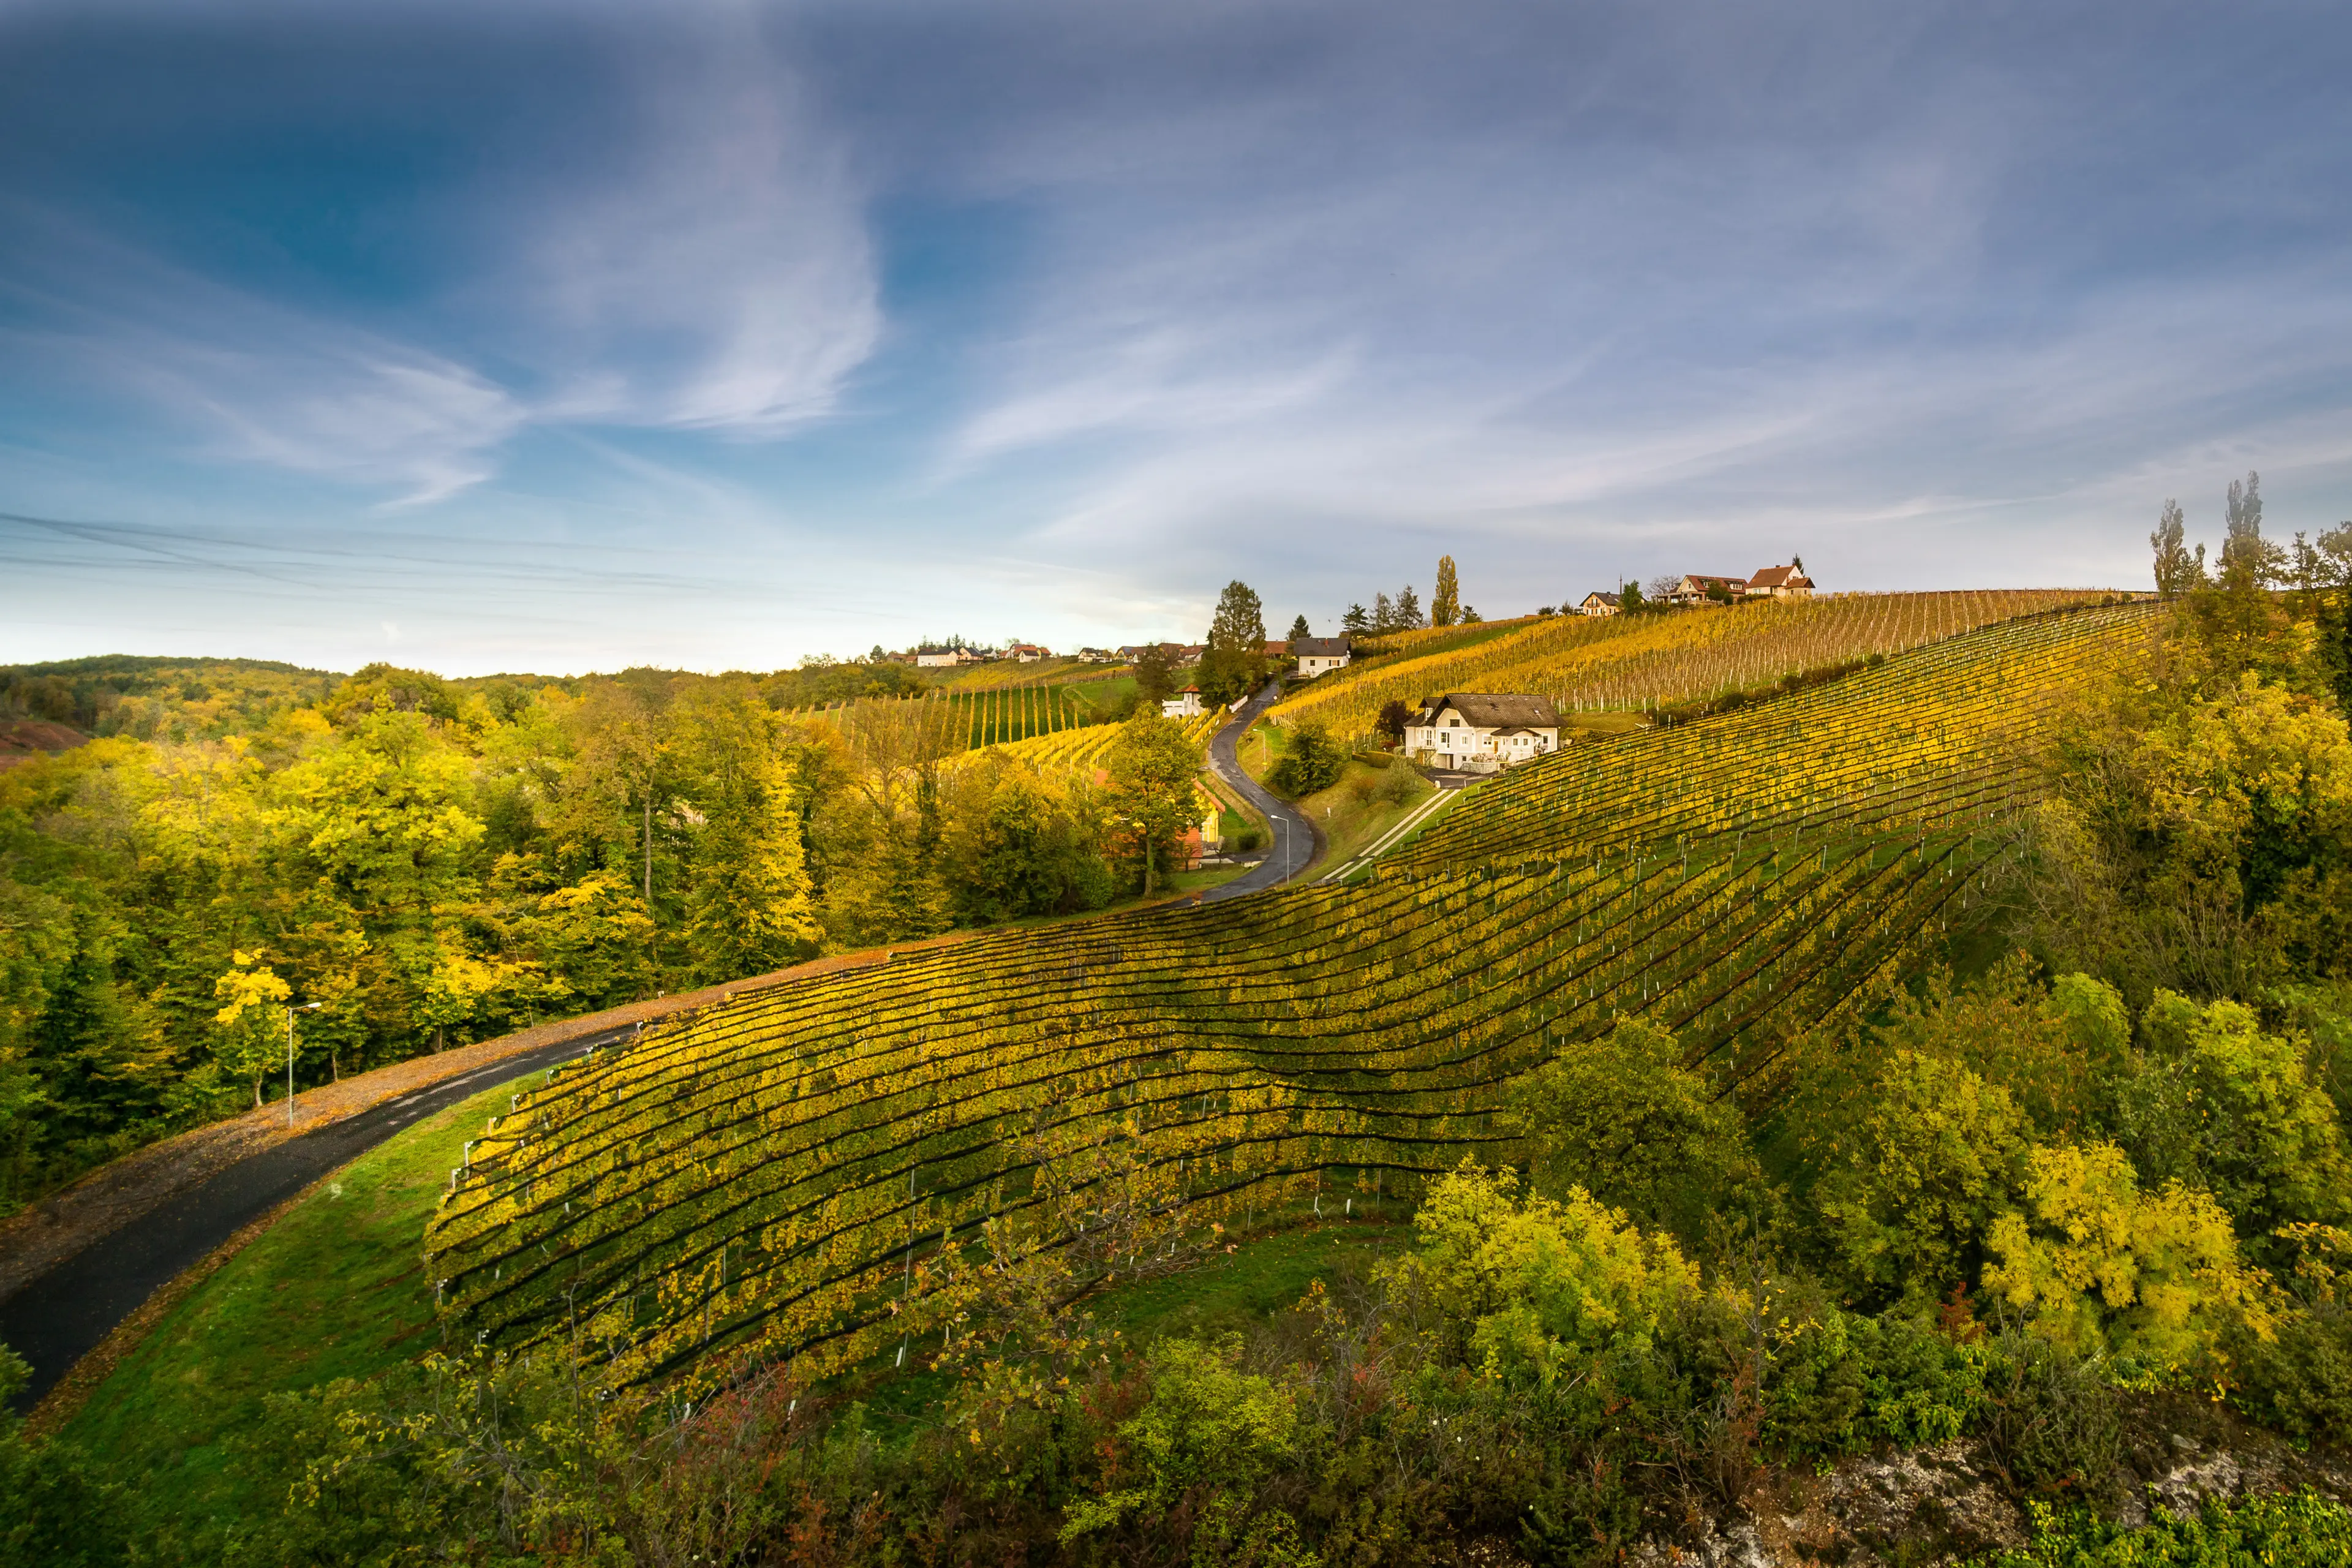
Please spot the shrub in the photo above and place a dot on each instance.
(2050, 1419)
(1311, 761)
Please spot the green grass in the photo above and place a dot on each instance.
(1202, 881)
(1266, 1275)
(333, 1289)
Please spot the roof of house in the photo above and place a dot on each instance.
(1703, 578)
(1779, 577)
(1604, 598)
(1492, 710)
(1321, 647)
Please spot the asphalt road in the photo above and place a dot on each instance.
(1294, 840)
(60, 1317)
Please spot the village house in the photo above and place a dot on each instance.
(1599, 603)
(1097, 656)
(1482, 733)
(1185, 704)
(1698, 588)
(944, 657)
(1788, 581)
(1027, 652)
(1320, 655)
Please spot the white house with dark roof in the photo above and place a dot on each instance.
(1185, 704)
(1482, 733)
(1320, 655)
(1600, 603)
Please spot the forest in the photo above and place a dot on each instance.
(433, 862)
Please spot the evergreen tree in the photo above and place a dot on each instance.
(1357, 621)
(1384, 615)
(1445, 600)
(1299, 632)
(1233, 664)
(1408, 610)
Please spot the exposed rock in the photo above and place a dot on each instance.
(1947, 1504)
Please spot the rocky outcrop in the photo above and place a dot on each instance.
(1949, 1504)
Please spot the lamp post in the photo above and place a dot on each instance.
(305, 1007)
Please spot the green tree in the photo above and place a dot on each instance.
(1155, 678)
(1407, 612)
(1232, 664)
(1153, 765)
(1311, 760)
(1299, 632)
(1619, 1116)
(748, 907)
(1446, 599)
(1357, 621)
(1912, 1164)
(1395, 718)
(1020, 843)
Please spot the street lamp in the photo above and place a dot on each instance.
(305, 1007)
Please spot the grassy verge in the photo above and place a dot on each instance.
(1353, 813)
(333, 1289)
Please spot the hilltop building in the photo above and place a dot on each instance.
(1600, 603)
(1482, 733)
(1696, 589)
(1027, 653)
(1780, 582)
(1320, 655)
(1185, 704)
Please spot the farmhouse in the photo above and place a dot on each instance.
(1481, 732)
(1027, 652)
(1698, 588)
(1780, 582)
(1319, 656)
(1600, 603)
(1185, 704)
(944, 657)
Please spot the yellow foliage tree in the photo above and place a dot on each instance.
(245, 1038)
(2100, 1265)
(1531, 1287)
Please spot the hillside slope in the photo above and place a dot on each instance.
(806, 1175)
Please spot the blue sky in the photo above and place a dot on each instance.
(567, 337)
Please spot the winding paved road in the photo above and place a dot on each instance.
(1294, 835)
(61, 1315)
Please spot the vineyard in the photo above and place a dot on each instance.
(1086, 749)
(809, 1173)
(988, 716)
(1589, 664)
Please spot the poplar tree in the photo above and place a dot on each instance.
(2177, 570)
(1445, 600)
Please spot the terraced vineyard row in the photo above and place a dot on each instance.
(1085, 749)
(1971, 706)
(1593, 664)
(807, 1174)
(989, 716)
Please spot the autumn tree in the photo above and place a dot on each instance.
(1153, 766)
(747, 907)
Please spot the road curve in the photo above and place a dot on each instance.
(1294, 836)
(61, 1315)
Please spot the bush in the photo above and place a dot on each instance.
(2050, 1419)
(2300, 1381)
(1311, 761)
(2278, 1532)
